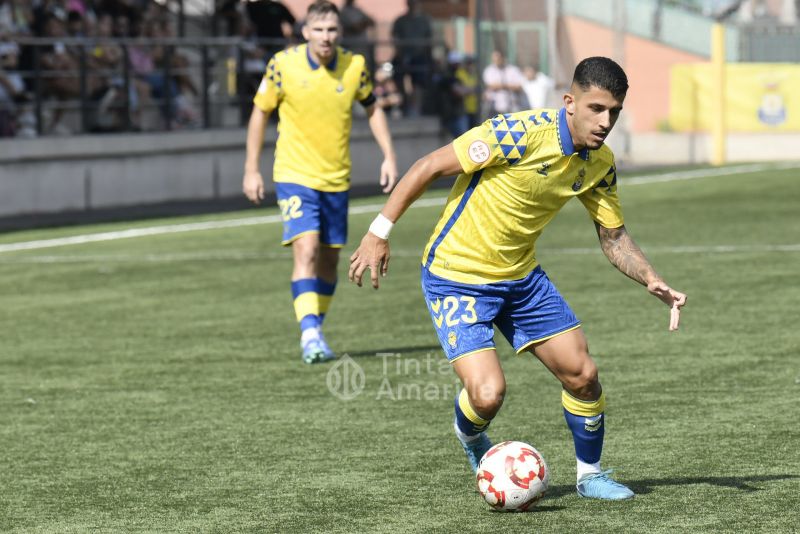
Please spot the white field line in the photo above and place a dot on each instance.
(355, 210)
(241, 255)
(179, 228)
(708, 173)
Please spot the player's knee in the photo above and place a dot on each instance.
(487, 398)
(584, 382)
(306, 254)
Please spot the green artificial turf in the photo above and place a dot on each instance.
(154, 384)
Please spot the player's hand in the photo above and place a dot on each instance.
(372, 254)
(253, 186)
(674, 299)
(388, 174)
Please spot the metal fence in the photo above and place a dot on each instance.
(770, 44)
(690, 30)
(652, 19)
(76, 86)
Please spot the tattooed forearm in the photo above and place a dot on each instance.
(625, 255)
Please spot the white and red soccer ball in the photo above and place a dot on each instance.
(512, 476)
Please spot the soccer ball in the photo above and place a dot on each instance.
(512, 476)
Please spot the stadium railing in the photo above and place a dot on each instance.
(193, 83)
(679, 26)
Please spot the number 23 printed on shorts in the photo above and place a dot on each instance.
(452, 311)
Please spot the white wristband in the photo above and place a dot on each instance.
(381, 226)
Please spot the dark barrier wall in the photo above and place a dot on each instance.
(51, 175)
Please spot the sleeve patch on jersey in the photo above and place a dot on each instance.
(478, 151)
(263, 87)
(510, 135)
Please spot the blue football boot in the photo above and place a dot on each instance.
(327, 353)
(475, 449)
(317, 351)
(601, 486)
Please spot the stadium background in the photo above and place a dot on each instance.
(149, 379)
(665, 47)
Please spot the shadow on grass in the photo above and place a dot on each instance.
(643, 487)
(394, 350)
(539, 508)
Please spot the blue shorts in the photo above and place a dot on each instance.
(305, 210)
(526, 311)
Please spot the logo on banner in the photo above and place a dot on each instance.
(772, 111)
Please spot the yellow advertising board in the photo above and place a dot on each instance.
(760, 97)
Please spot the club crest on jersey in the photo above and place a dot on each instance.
(478, 151)
(579, 180)
(451, 339)
(543, 170)
(339, 88)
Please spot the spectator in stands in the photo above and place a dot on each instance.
(272, 20)
(355, 24)
(143, 72)
(468, 78)
(105, 62)
(503, 84)
(61, 68)
(128, 8)
(176, 91)
(12, 89)
(46, 9)
(227, 12)
(115, 110)
(81, 7)
(16, 18)
(152, 14)
(537, 87)
(254, 63)
(77, 26)
(451, 94)
(413, 64)
(387, 96)
(123, 28)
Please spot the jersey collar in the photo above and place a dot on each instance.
(330, 66)
(565, 139)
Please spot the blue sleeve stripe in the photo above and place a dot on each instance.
(454, 217)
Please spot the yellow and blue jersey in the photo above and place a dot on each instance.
(314, 105)
(519, 171)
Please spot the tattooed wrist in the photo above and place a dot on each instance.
(625, 255)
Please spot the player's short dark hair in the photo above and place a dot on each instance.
(320, 8)
(603, 73)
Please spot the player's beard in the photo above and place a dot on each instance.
(324, 51)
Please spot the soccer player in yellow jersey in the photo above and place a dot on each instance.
(314, 86)
(479, 269)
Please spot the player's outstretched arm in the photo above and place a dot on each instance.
(625, 255)
(373, 252)
(380, 130)
(253, 182)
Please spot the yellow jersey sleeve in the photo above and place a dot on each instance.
(365, 85)
(501, 140)
(270, 91)
(602, 201)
